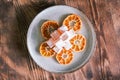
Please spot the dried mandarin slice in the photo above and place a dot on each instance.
(78, 43)
(48, 27)
(64, 56)
(73, 22)
(45, 50)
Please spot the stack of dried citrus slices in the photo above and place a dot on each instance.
(62, 41)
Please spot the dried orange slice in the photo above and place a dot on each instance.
(48, 27)
(73, 22)
(45, 50)
(78, 43)
(64, 56)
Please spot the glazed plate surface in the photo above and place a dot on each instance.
(34, 39)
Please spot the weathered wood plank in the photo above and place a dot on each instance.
(108, 48)
(15, 61)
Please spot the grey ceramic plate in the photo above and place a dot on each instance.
(34, 38)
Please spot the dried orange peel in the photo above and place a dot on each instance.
(46, 51)
(73, 22)
(64, 57)
(48, 27)
(78, 43)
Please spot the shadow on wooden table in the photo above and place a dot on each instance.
(24, 15)
(15, 18)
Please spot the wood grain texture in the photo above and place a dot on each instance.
(15, 61)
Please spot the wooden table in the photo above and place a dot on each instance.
(15, 61)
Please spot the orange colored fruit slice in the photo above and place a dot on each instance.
(45, 50)
(78, 43)
(73, 22)
(64, 57)
(48, 27)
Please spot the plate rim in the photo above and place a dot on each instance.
(92, 49)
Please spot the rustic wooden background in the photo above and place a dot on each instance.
(15, 61)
